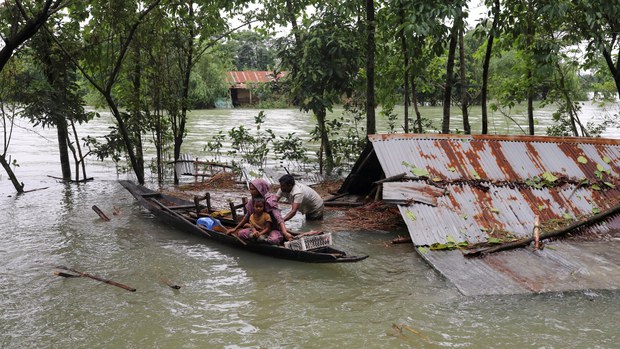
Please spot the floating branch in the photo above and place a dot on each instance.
(94, 277)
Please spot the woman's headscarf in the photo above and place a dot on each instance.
(271, 201)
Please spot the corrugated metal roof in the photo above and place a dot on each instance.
(240, 79)
(472, 188)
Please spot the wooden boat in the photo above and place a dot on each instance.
(181, 214)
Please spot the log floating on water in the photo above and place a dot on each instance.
(402, 240)
(66, 275)
(94, 277)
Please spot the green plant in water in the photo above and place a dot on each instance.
(290, 150)
(391, 117)
(253, 148)
(347, 137)
(215, 147)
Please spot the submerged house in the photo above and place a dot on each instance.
(243, 84)
(465, 196)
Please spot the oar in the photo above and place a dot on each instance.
(94, 277)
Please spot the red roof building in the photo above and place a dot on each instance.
(242, 84)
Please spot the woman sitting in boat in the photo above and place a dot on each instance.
(259, 189)
(260, 223)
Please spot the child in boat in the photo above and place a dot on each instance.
(260, 223)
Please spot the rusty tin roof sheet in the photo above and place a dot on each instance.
(240, 79)
(474, 188)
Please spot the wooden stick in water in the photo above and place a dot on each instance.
(536, 232)
(94, 277)
(100, 213)
(66, 275)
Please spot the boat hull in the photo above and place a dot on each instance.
(145, 198)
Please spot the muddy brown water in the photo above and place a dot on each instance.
(234, 299)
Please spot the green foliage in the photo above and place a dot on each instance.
(209, 74)
(252, 148)
(215, 146)
(273, 94)
(255, 147)
(251, 50)
(416, 171)
(329, 64)
(347, 137)
(546, 180)
(391, 118)
(113, 147)
(452, 244)
(52, 94)
(290, 151)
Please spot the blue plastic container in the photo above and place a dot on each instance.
(208, 222)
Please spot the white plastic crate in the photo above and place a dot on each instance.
(309, 242)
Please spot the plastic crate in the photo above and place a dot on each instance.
(309, 242)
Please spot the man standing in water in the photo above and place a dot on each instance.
(301, 197)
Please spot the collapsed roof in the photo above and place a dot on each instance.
(479, 190)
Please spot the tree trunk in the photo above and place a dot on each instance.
(371, 127)
(292, 19)
(18, 186)
(138, 167)
(327, 148)
(187, 71)
(76, 160)
(464, 84)
(485, 69)
(529, 35)
(159, 146)
(613, 68)
(80, 156)
(403, 41)
(414, 102)
(447, 97)
(59, 120)
(137, 116)
(572, 114)
(530, 103)
(63, 140)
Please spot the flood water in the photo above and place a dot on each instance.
(230, 298)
